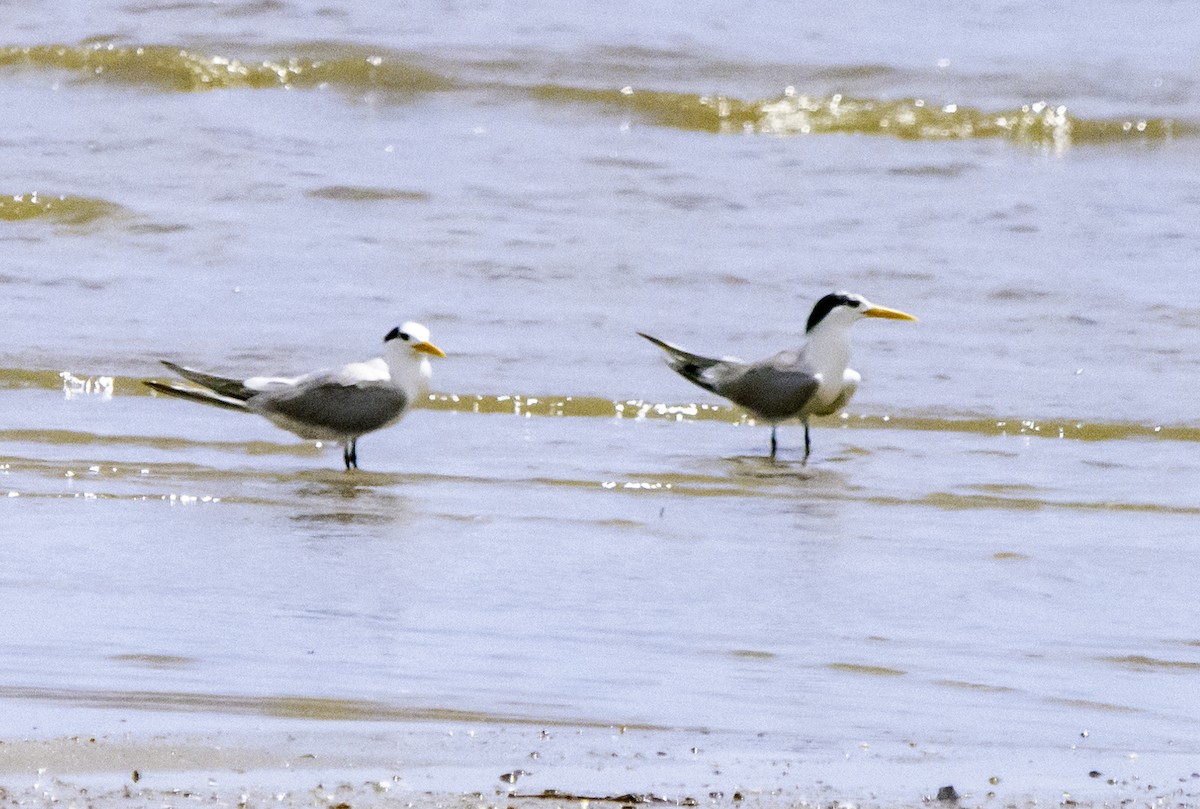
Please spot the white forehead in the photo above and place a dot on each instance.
(416, 331)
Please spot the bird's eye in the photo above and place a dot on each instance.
(853, 303)
(403, 336)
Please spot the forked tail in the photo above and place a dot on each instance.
(202, 395)
(229, 388)
(218, 391)
(691, 367)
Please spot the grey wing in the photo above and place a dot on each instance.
(332, 407)
(770, 389)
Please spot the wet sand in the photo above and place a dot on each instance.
(469, 765)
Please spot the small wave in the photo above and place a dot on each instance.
(184, 69)
(1037, 124)
(59, 209)
(554, 406)
(75, 387)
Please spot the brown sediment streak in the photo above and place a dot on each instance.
(1149, 663)
(876, 671)
(292, 707)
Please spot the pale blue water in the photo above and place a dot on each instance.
(959, 582)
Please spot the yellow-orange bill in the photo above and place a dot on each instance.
(890, 314)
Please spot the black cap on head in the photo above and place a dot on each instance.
(395, 334)
(828, 304)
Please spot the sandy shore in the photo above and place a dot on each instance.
(344, 765)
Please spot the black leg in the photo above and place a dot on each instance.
(773, 444)
(807, 442)
(350, 453)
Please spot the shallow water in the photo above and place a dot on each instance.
(985, 557)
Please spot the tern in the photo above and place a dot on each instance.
(813, 380)
(340, 404)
